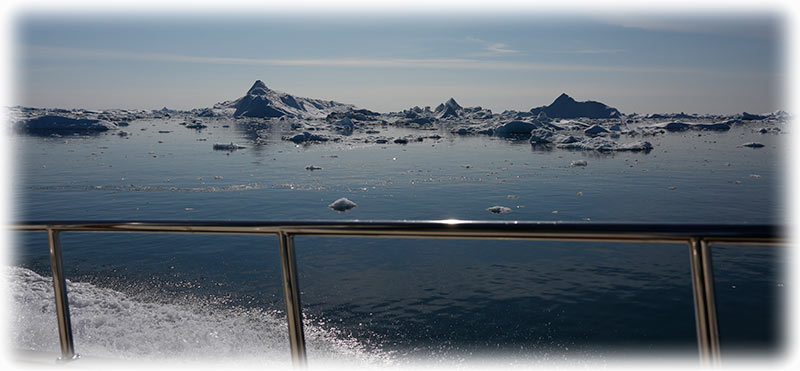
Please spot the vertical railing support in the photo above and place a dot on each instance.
(291, 292)
(62, 303)
(705, 308)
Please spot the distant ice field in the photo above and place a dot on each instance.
(385, 301)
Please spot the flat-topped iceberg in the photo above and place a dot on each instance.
(60, 124)
(682, 126)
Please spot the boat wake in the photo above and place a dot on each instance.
(111, 324)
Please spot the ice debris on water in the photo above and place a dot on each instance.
(312, 167)
(578, 163)
(342, 205)
(752, 145)
(499, 209)
(606, 145)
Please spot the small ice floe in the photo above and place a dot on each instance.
(753, 145)
(123, 133)
(197, 126)
(164, 131)
(499, 209)
(672, 188)
(312, 167)
(401, 141)
(306, 137)
(578, 163)
(775, 130)
(755, 176)
(343, 204)
(227, 146)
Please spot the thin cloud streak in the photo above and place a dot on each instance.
(493, 48)
(47, 52)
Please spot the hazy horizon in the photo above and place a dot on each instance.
(642, 64)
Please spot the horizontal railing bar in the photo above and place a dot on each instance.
(620, 232)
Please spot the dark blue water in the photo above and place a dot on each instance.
(414, 298)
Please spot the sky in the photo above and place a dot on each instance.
(644, 63)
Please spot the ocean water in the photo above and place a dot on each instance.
(388, 301)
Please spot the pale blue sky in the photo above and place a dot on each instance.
(635, 63)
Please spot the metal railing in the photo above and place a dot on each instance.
(699, 237)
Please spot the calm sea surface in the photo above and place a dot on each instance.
(386, 300)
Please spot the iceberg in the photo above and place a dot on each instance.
(342, 205)
(59, 124)
(566, 107)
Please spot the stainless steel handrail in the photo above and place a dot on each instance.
(699, 237)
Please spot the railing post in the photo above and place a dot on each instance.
(62, 303)
(705, 308)
(291, 292)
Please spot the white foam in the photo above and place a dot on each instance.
(110, 324)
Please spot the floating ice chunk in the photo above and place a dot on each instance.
(344, 123)
(542, 116)
(578, 163)
(312, 167)
(541, 136)
(227, 146)
(752, 116)
(306, 137)
(197, 126)
(401, 141)
(683, 126)
(674, 126)
(635, 146)
(615, 127)
(342, 205)
(514, 128)
(753, 145)
(499, 209)
(595, 129)
(565, 139)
